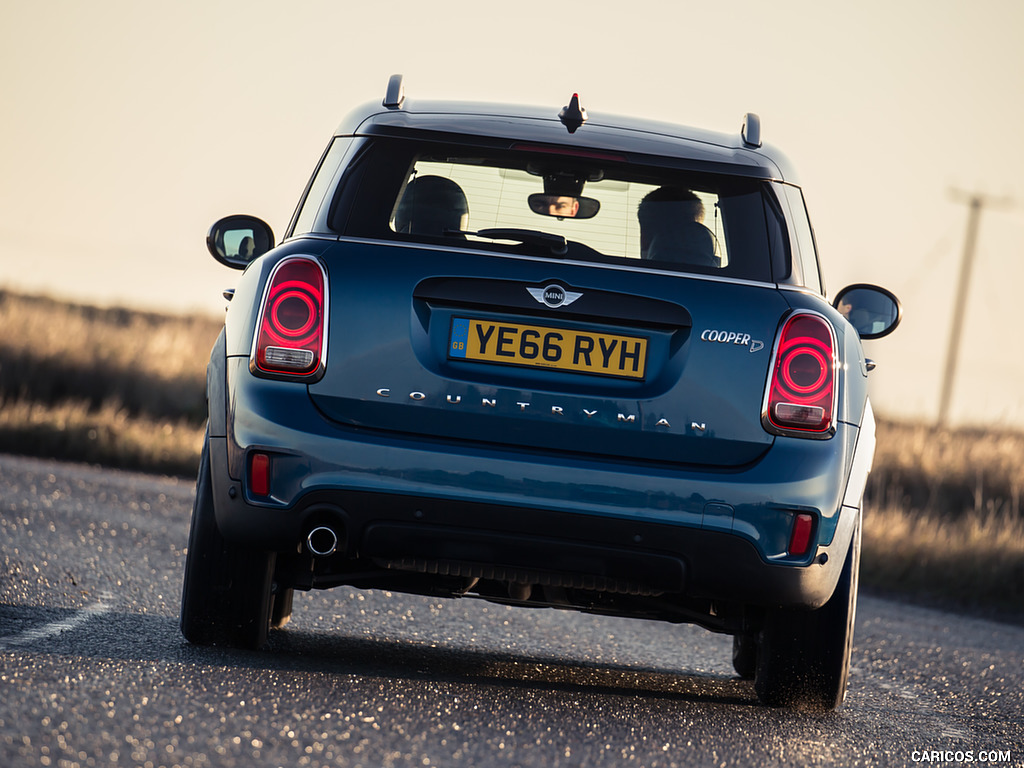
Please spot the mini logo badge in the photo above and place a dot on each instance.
(554, 295)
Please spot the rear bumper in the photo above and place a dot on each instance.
(624, 526)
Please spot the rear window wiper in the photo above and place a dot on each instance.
(556, 243)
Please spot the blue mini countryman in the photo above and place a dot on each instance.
(545, 359)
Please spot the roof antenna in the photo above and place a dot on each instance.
(573, 116)
(395, 94)
(751, 130)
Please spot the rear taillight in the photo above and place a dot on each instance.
(291, 338)
(801, 397)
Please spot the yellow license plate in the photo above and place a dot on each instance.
(561, 349)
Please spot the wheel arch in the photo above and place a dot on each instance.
(216, 387)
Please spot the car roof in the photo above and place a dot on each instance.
(478, 122)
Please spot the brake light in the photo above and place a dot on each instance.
(801, 398)
(570, 152)
(291, 335)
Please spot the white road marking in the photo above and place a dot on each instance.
(55, 628)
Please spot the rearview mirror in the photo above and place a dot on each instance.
(236, 241)
(873, 311)
(564, 206)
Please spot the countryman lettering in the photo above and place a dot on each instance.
(521, 406)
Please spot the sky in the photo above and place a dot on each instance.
(128, 127)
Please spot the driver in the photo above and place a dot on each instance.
(563, 206)
(560, 198)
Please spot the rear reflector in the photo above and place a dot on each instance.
(800, 539)
(259, 474)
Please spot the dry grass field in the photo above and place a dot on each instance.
(943, 516)
(943, 519)
(107, 386)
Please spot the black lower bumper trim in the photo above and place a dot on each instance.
(525, 560)
(616, 554)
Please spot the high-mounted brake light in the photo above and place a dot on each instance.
(291, 338)
(586, 154)
(801, 396)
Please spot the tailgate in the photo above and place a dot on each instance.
(567, 357)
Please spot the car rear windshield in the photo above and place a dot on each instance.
(538, 201)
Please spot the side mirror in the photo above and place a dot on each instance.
(236, 241)
(564, 206)
(873, 311)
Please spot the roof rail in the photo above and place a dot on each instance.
(395, 94)
(751, 130)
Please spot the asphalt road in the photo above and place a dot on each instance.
(94, 672)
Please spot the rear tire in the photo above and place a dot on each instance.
(803, 658)
(281, 612)
(744, 656)
(226, 594)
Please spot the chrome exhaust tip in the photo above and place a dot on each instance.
(322, 541)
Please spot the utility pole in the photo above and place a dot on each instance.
(976, 203)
